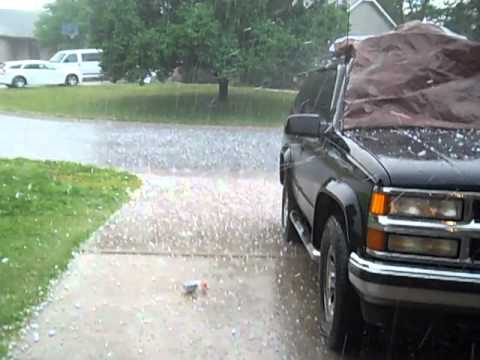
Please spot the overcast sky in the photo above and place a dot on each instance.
(23, 4)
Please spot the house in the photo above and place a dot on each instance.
(17, 40)
(368, 17)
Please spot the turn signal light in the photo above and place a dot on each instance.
(379, 204)
(376, 240)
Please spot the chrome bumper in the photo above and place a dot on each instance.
(382, 283)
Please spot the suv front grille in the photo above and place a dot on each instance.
(475, 250)
(476, 210)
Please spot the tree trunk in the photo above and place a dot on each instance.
(222, 89)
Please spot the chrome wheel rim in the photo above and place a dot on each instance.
(329, 285)
(285, 210)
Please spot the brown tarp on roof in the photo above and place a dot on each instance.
(417, 76)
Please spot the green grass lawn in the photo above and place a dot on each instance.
(162, 103)
(46, 210)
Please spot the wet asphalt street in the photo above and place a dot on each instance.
(209, 210)
(143, 148)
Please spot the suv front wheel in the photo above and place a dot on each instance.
(340, 313)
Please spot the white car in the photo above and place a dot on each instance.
(86, 61)
(19, 74)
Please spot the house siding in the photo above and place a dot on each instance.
(17, 38)
(366, 19)
(5, 51)
(18, 49)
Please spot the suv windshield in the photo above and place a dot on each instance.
(57, 58)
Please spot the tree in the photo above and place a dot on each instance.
(254, 41)
(198, 41)
(281, 48)
(394, 8)
(134, 36)
(463, 17)
(61, 15)
(460, 16)
(407, 10)
(115, 27)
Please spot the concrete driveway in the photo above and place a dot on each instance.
(123, 297)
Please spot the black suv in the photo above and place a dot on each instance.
(391, 215)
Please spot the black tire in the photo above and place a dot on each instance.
(288, 205)
(19, 82)
(340, 312)
(71, 80)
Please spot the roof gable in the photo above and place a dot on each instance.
(379, 7)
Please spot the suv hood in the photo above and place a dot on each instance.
(425, 158)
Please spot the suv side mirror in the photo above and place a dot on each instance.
(310, 125)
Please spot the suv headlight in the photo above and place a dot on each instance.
(401, 205)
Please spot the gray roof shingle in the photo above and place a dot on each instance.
(17, 23)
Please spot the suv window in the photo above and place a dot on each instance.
(32, 67)
(316, 93)
(58, 57)
(72, 58)
(45, 67)
(92, 57)
(15, 66)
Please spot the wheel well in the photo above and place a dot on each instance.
(72, 75)
(20, 76)
(325, 207)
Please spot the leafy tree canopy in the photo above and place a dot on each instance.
(64, 14)
(254, 41)
(461, 16)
